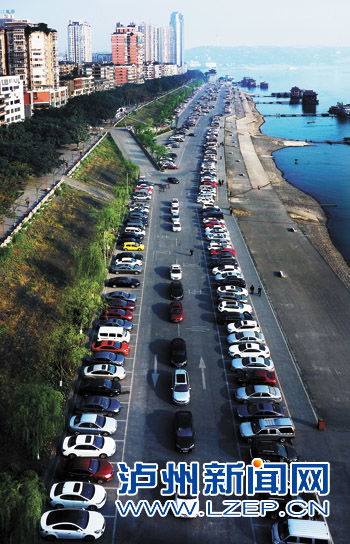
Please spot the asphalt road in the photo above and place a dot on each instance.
(145, 425)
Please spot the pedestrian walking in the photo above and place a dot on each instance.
(191, 252)
(259, 291)
(251, 289)
(231, 211)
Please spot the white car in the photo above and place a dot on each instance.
(175, 212)
(72, 524)
(223, 289)
(77, 495)
(218, 245)
(246, 336)
(104, 371)
(225, 268)
(88, 445)
(243, 325)
(253, 393)
(92, 424)
(181, 387)
(129, 260)
(234, 306)
(187, 505)
(247, 363)
(176, 225)
(175, 202)
(228, 274)
(175, 272)
(218, 236)
(249, 349)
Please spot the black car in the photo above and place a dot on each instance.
(261, 409)
(218, 260)
(176, 291)
(178, 353)
(134, 237)
(172, 155)
(107, 357)
(136, 218)
(99, 405)
(230, 317)
(129, 255)
(184, 432)
(126, 238)
(274, 451)
(99, 386)
(232, 280)
(173, 180)
(123, 282)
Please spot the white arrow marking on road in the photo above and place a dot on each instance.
(202, 367)
(155, 374)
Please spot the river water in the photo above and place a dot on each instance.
(322, 170)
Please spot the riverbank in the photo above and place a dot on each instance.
(301, 207)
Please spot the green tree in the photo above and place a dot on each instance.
(36, 417)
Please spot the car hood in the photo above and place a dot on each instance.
(185, 442)
(246, 429)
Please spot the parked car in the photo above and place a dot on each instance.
(115, 322)
(127, 260)
(117, 313)
(92, 424)
(249, 349)
(123, 282)
(93, 470)
(233, 306)
(180, 387)
(106, 357)
(178, 352)
(273, 428)
(173, 180)
(176, 226)
(273, 451)
(243, 325)
(125, 268)
(247, 364)
(121, 303)
(256, 376)
(184, 431)
(104, 371)
(98, 404)
(230, 317)
(99, 386)
(261, 409)
(176, 312)
(77, 495)
(253, 393)
(176, 291)
(88, 445)
(72, 524)
(111, 345)
(175, 272)
(133, 246)
(246, 336)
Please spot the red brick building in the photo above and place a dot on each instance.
(127, 54)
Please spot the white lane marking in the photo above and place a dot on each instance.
(203, 367)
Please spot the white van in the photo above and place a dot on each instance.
(131, 229)
(118, 334)
(300, 531)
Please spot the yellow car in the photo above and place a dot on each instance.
(133, 246)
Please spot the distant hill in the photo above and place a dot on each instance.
(238, 56)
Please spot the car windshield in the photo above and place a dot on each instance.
(93, 466)
(181, 388)
(184, 431)
(88, 490)
(77, 517)
(281, 449)
(250, 389)
(100, 421)
(98, 442)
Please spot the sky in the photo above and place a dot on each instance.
(207, 22)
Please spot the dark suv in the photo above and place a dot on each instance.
(184, 432)
(178, 354)
(176, 291)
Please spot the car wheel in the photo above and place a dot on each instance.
(132, 286)
(50, 538)
(58, 506)
(282, 440)
(102, 456)
(105, 434)
(72, 456)
(89, 538)
(137, 273)
(92, 507)
(111, 394)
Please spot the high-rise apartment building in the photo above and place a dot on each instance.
(11, 100)
(177, 38)
(164, 44)
(128, 54)
(79, 42)
(150, 36)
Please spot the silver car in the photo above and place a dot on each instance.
(181, 387)
(92, 424)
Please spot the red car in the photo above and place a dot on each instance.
(93, 470)
(171, 167)
(122, 304)
(257, 377)
(213, 224)
(111, 345)
(211, 183)
(117, 312)
(222, 251)
(176, 312)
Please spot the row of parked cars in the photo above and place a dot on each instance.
(78, 493)
(263, 418)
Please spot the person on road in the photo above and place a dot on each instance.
(251, 289)
(259, 291)
(191, 252)
(231, 211)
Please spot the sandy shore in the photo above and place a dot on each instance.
(301, 207)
